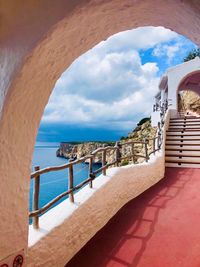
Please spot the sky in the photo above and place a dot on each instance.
(107, 90)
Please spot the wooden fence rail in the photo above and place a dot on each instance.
(36, 211)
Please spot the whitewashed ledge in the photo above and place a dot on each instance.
(66, 228)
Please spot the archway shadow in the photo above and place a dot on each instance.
(134, 224)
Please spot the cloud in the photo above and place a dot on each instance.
(121, 93)
(173, 51)
(169, 51)
(109, 86)
(138, 39)
(105, 79)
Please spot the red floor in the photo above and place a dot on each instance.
(160, 228)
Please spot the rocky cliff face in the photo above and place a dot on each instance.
(141, 132)
(191, 101)
(74, 151)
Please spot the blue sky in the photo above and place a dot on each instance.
(107, 90)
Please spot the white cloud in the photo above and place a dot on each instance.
(140, 38)
(109, 86)
(167, 50)
(111, 89)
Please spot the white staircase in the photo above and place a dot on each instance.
(182, 147)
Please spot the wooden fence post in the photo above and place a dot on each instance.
(146, 149)
(117, 153)
(154, 146)
(36, 194)
(90, 170)
(71, 182)
(159, 136)
(133, 153)
(104, 160)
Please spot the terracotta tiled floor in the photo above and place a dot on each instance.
(160, 228)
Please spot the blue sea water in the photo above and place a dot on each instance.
(54, 183)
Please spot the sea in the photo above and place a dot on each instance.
(53, 183)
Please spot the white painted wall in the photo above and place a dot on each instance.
(155, 118)
(33, 55)
(176, 75)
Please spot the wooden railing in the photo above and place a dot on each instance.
(118, 158)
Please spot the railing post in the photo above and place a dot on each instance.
(36, 193)
(159, 136)
(71, 182)
(90, 170)
(117, 153)
(146, 149)
(133, 153)
(154, 145)
(104, 160)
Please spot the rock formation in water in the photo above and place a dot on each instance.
(74, 151)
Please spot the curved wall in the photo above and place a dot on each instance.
(68, 227)
(62, 242)
(38, 41)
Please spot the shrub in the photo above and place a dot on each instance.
(142, 121)
(192, 54)
(124, 162)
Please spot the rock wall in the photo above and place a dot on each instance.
(191, 101)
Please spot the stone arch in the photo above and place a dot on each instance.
(177, 75)
(190, 82)
(37, 43)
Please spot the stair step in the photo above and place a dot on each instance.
(186, 133)
(181, 165)
(181, 155)
(183, 160)
(185, 118)
(181, 125)
(174, 134)
(188, 160)
(183, 129)
(182, 137)
(182, 149)
(183, 140)
(181, 144)
(185, 121)
(184, 125)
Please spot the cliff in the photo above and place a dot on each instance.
(142, 131)
(191, 101)
(77, 150)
